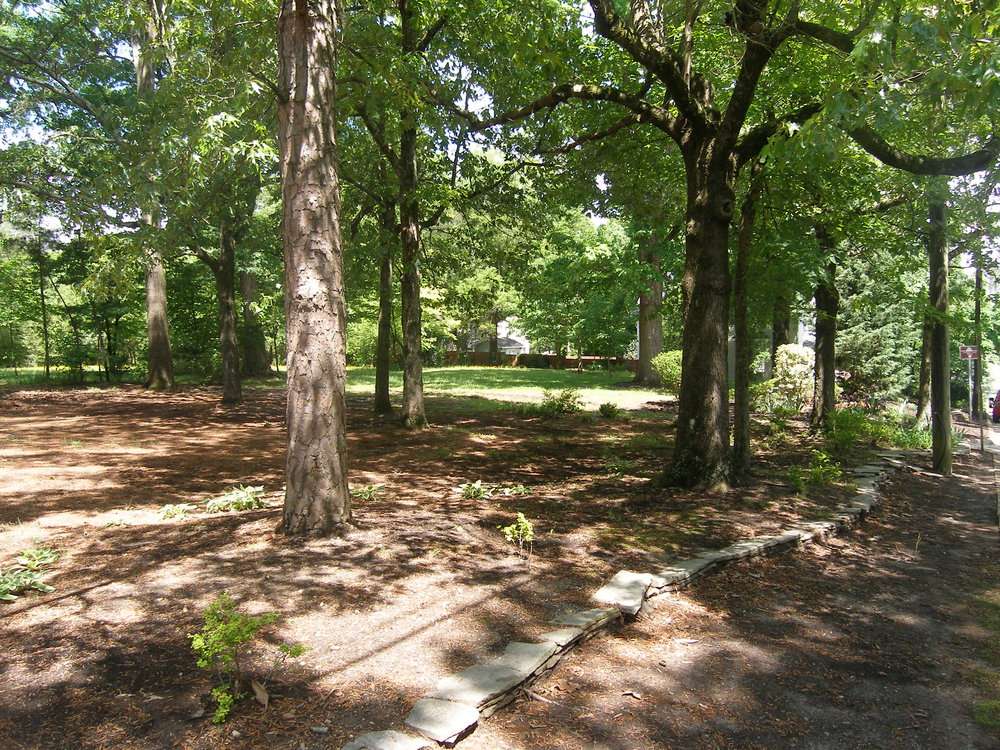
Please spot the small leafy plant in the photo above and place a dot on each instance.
(366, 492)
(618, 466)
(554, 404)
(521, 533)
(821, 471)
(477, 490)
(242, 497)
(609, 410)
(176, 510)
(221, 645)
(26, 575)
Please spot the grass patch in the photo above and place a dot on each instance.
(987, 714)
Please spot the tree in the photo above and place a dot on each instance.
(317, 500)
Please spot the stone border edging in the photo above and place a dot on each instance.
(453, 710)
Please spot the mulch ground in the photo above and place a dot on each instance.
(872, 640)
(423, 586)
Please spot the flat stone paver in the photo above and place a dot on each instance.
(443, 721)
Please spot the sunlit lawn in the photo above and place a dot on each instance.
(494, 385)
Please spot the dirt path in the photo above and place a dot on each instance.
(873, 641)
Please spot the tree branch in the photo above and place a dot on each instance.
(563, 93)
(431, 32)
(757, 138)
(377, 132)
(955, 166)
(661, 61)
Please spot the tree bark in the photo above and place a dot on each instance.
(781, 324)
(924, 378)
(741, 456)
(383, 346)
(225, 292)
(413, 415)
(937, 253)
(160, 375)
(256, 359)
(45, 313)
(494, 337)
(317, 500)
(701, 450)
(976, 397)
(650, 315)
(824, 378)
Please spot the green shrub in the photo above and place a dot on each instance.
(26, 575)
(821, 471)
(791, 385)
(609, 410)
(239, 498)
(851, 427)
(367, 492)
(480, 490)
(521, 533)
(477, 490)
(532, 360)
(667, 365)
(220, 646)
(554, 404)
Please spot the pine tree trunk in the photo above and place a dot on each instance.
(225, 292)
(937, 253)
(316, 494)
(741, 407)
(413, 415)
(256, 359)
(701, 450)
(824, 379)
(650, 316)
(924, 378)
(383, 346)
(160, 375)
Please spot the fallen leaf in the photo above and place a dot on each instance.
(633, 694)
(260, 693)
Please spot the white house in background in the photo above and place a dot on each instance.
(509, 339)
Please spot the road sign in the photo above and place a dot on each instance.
(968, 352)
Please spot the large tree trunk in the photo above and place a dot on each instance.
(45, 314)
(937, 254)
(413, 415)
(256, 359)
(225, 292)
(924, 378)
(650, 315)
(701, 450)
(383, 345)
(160, 373)
(976, 397)
(317, 500)
(824, 379)
(781, 324)
(741, 406)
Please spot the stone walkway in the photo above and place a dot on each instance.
(453, 711)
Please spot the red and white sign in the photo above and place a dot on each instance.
(968, 352)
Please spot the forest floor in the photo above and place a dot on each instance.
(887, 637)
(421, 587)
